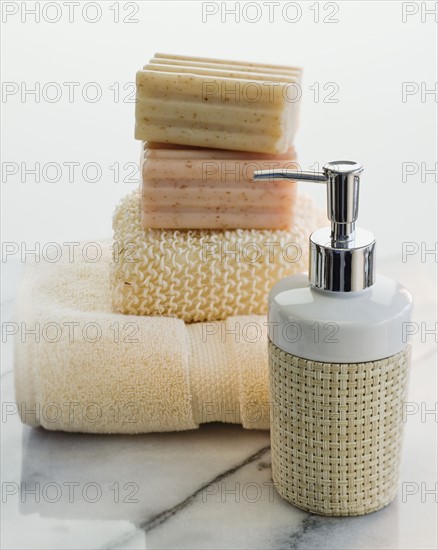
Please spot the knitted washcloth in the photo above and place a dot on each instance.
(203, 275)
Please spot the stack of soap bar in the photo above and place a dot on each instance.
(217, 104)
(195, 188)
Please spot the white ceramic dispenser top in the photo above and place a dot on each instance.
(342, 312)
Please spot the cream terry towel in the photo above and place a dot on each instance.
(85, 368)
(204, 275)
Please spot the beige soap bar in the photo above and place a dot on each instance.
(196, 188)
(218, 104)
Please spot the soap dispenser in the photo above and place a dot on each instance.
(338, 363)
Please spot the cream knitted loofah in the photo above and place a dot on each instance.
(203, 275)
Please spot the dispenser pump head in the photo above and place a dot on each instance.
(341, 257)
(342, 198)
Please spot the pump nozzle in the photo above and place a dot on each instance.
(340, 260)
(342, 179)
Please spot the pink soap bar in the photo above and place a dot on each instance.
(198, 188)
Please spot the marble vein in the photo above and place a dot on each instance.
(163, 516)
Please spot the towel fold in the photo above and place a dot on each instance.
(81, 367)
(204, 275)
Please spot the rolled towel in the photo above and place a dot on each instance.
(81, 367)
(204, 274)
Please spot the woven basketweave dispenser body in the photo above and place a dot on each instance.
(338, 365)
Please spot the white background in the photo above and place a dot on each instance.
(369, 53)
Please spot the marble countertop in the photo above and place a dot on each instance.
(208, 488)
